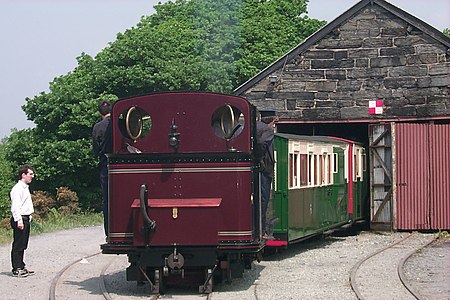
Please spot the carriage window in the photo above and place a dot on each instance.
(329, 177)
(314, 170)
(296, 169)
(135, 123)
(293, 169)
(356, 165)
(227, 122)
(359, 163)
(303, 170)
(321, 170)
(364, 163)
(310, 169)
(335, 163)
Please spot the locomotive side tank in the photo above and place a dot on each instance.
(320, 185)
(183, 188)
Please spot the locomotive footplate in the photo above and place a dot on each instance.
(117, 248)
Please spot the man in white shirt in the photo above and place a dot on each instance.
(21, 209)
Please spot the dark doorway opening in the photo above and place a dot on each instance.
(352, 131)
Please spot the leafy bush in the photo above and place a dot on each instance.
(45, 205)
(66, 201)
(42, 202)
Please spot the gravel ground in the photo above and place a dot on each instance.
(47, 254)
(428, 271)
(316, 269)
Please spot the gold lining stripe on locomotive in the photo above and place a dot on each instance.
(235, 233)
(121, 235)
(179, 202)
(179, 170)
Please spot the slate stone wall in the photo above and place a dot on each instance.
(374, 55)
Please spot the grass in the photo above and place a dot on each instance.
(54, 222)
(443, 234)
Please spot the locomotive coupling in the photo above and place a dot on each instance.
(175, 261)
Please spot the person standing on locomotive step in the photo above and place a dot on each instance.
(265, 131)
(21, 209)
(102, 145)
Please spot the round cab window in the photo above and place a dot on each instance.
(227, 122)
(135, 123)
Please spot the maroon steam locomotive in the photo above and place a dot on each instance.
(184, 188)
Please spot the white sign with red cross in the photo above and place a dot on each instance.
(375, 107)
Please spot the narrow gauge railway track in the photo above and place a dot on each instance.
(381, 273)
(57, 280)
(91, 274)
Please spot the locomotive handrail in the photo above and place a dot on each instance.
(151, 224)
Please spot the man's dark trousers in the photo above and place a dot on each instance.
(20, 242)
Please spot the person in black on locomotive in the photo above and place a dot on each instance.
(102, 145)
(21, 209)
(265, 131)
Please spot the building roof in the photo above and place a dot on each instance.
(321, 33)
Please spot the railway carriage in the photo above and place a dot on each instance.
(320, 184)
(183, 188)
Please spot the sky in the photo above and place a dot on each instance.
(41, 39)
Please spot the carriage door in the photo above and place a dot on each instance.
(381, 187)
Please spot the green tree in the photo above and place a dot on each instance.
(193, 45)
(446, 31)
(270, 29)
(6, 181)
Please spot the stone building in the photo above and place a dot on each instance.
(374, 74)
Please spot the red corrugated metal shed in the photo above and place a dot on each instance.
(422, 166)
(440, 176)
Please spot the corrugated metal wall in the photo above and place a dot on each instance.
(440, 176)
(422, 176)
